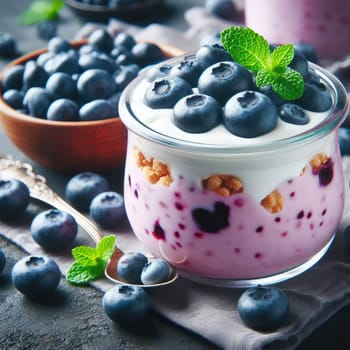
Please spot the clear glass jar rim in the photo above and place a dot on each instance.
(334, 119)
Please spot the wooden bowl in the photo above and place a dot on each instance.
(63, 146)
(133, 12)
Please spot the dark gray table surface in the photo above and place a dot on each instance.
(74, 319)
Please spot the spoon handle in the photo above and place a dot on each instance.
(39, 190)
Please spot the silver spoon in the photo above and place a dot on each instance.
(39, 190)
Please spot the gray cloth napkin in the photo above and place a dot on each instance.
(314, 296)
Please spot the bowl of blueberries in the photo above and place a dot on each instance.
(103, 10)
(59, 105)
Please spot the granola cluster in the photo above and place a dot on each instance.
(224, 185)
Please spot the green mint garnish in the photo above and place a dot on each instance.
(252, 51)
(41, 10)
(90, 262)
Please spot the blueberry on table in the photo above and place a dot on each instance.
(14, 198)
(107, 209)
(224, 79)
(2, 260)
(197, 113)
(47, 30)
(263, 308)
(208, 55)
(54, 230)
(8, 46)
(165, 92)
(155, 271)
(37, 101)
(97, 110)
(344, 141)
(83, 187)
(250, 114)
(36, 275)
(293, 114)
(130, 265)
(125, 304)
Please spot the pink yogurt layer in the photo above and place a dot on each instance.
(251, 242)
(324, 24)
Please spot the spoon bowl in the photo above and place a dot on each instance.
(39, 190)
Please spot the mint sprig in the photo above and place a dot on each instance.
(90, 262)
(252, 51)
(41, 10)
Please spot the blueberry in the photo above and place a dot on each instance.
(224, 79)
(165, 92)
(158, 72)
(316, 98)
(130, 266)
(61, 85)
(114, 101)
(63, 109)
(13, 78)
(58, 44)
(36, 276)
(268, 91)
(107, 209)
(2, 260)
(307, 50)
(263, 308)
(47, 30)
(208, 55)
(344, 141)
(123, 77)
(62, 62)
(211, 39)
(293, 114)
(34, 75)
(300, 64)
(95, 84)
(124, 40)
(13, 98)
(97, 110)
(125, 304)
(83, 187)
(147, 53)
(97, 60)
(101, 39)
(37, 100)
(155, 271)
(14, 198)
(225, 9)
(197, 113)
(54, 230)
(8, 46)
(250, 114)
(187, 69)
(126, 58)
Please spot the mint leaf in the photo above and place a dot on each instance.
(246, 47)
(41, 10)
(252, 51)
(290, 85)
(105, 247)
(85, 255)
(90, 262)
(80, 275)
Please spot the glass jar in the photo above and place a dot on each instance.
(272, 216)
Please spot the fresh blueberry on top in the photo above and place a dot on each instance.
(307, 50)
(130, 265)
(125, 304)
(155, 271)
(197, 113)
(107, 209)
(63, 109)
(224, 79)
(97, 110)
(158, 71)
(37, 101)
(300, 63)
(2, 260)
(187, 69)
(36, 276)
(263, 308)
(250, 114)
(165, 92)
(14, 198)
(83, 187)
(293, 114)
(208, 55)
(54, 229)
